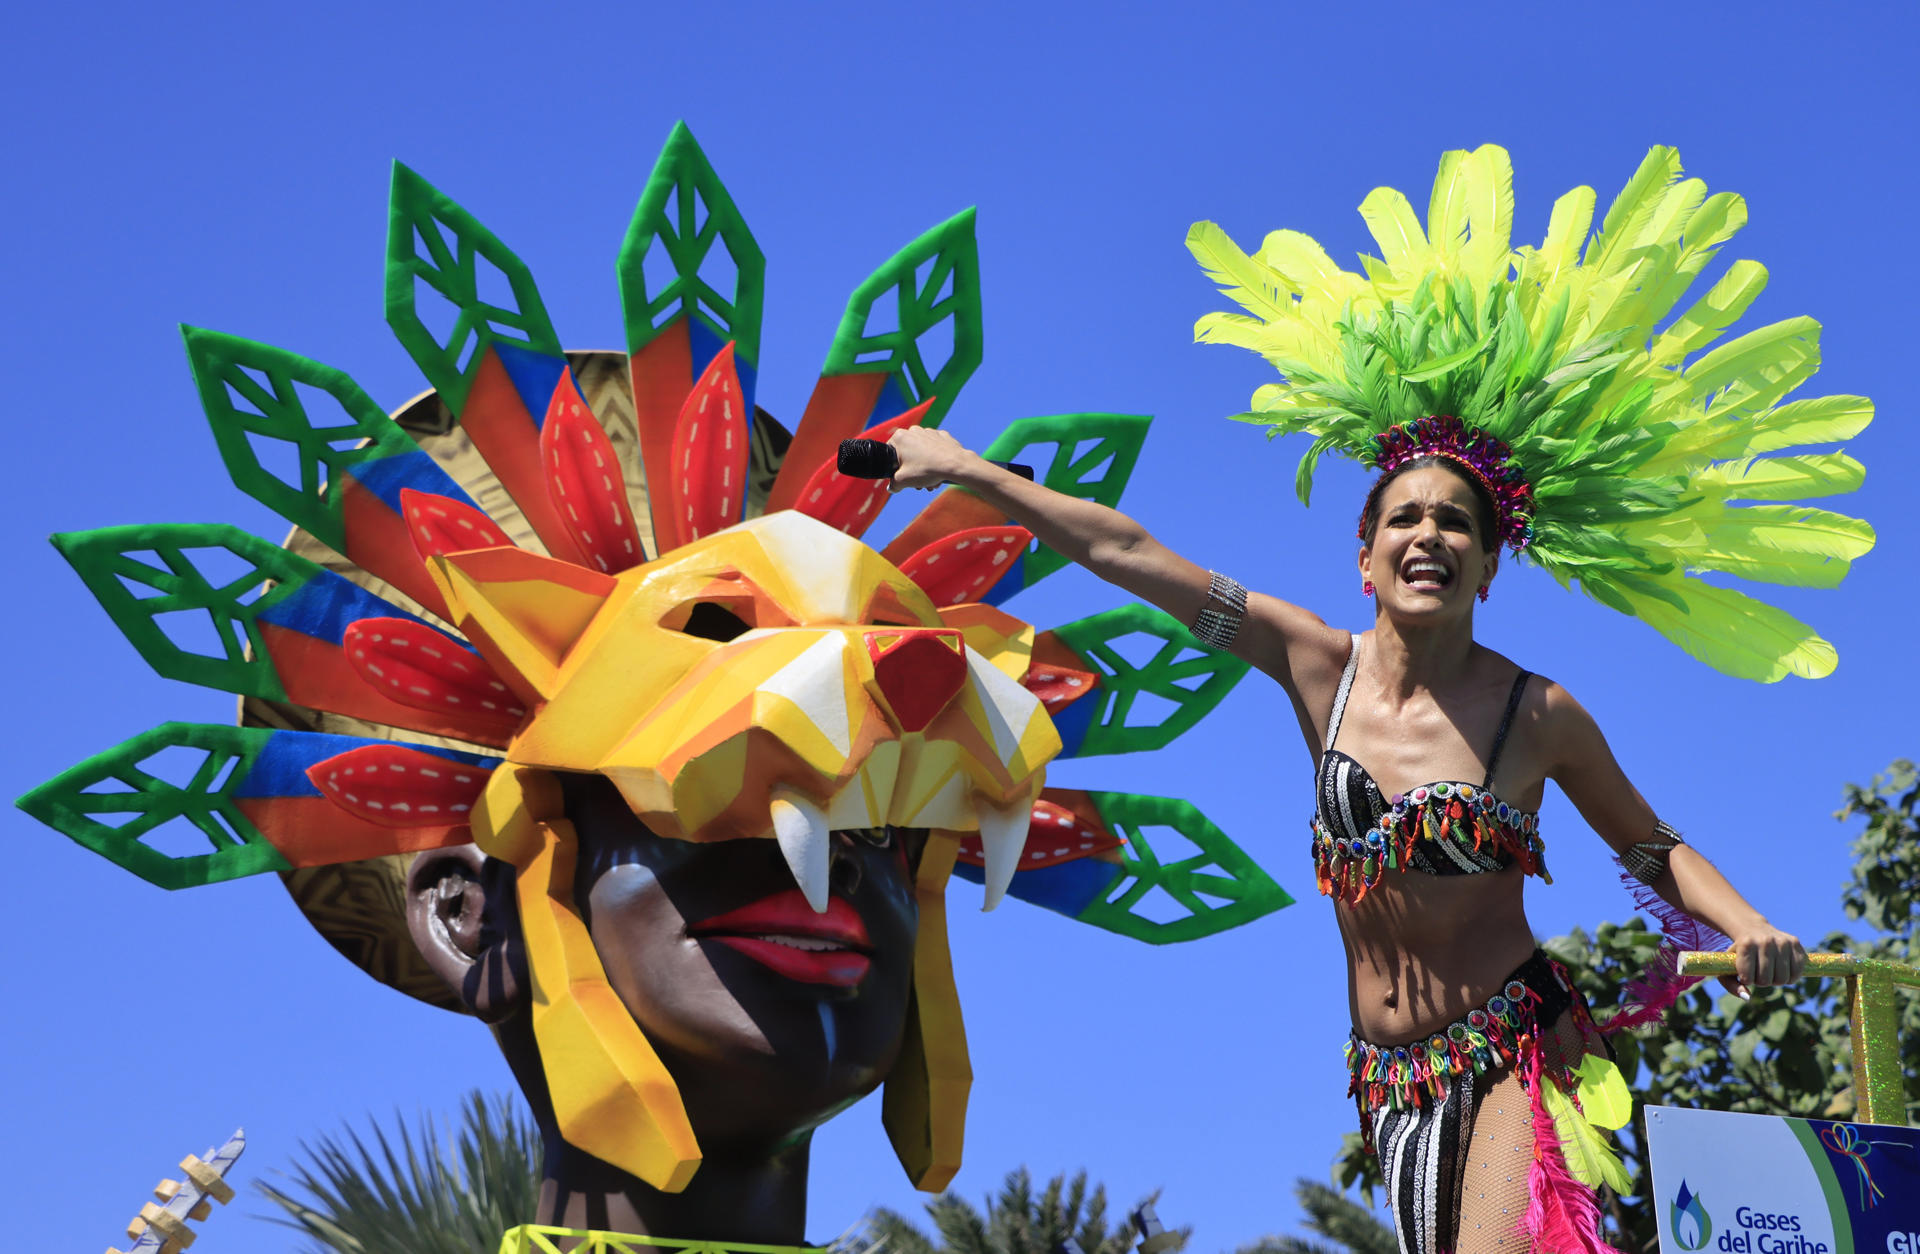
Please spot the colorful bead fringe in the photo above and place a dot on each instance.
(1349, 868)
(1399, 1076)
(1488, 1037)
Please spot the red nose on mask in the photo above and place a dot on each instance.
(919, 671)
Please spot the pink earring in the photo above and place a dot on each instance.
(1366, 587)
(1483, 590)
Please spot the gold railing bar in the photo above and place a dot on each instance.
(1720, 962)
(1879, 1086)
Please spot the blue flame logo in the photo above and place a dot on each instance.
(1686, 1217)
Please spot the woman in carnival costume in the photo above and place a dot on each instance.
(1515, 398)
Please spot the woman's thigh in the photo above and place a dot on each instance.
(1496, 1168)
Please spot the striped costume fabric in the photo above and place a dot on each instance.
(1423, 1155)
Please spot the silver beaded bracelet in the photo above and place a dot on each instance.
(1646, 860)
(1219, 620)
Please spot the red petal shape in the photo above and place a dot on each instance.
(414, 665)
(439, 524)
(1056, 835)
(397, 787)
(964, 565)
(585, 484)
(709, 459)
(845, 502)
(1058, 686)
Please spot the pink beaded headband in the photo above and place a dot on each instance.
(1486, 457)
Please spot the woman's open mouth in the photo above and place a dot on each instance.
(1426, 575)
(782, 932)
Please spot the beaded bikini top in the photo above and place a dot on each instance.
(1442, 828)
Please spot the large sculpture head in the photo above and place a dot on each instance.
(577, 702)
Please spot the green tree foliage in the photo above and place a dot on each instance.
(1018, 1221)
(418, 1191)
(1784, 1052)
(1347, 1226)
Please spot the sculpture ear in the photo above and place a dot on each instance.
(464, 919)
(522, 611)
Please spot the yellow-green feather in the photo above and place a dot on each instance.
(1713, 313)
(1735, 633)
(1604, 1097)
(1390, 219)
(1589, 1158)
(1253, 286)
(1783, 478)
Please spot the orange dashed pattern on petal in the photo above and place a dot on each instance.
(440, 524)
(396, 787)
(414, 665)
(709, 459)
(845, 502)
(962, 566)
(1058, 686)
(584, 482)
(1056, 835)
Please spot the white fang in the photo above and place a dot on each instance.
(801, 828)
(1003, 835)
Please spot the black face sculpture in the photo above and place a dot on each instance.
(769, 1017)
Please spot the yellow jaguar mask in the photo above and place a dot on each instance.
(777, 679)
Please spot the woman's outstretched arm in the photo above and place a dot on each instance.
(1584, 766)
(1291, 644)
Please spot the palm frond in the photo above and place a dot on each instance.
(1018, 1221)
(1351, 1226)
(423, 1189)
(895, 1233)
(1287, 1245)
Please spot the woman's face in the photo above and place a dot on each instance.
(1426, 559)
(770, 1018)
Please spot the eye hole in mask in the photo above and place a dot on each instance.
(711, 620)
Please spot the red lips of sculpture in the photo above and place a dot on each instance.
(919, 671)
(783, 933)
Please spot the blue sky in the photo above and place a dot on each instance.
(227, 166)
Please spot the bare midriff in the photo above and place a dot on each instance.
(1423, 950)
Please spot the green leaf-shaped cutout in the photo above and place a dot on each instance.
(433, 241)
(69, 802)
(949, 289)
(1084, 445)
(1220, 887)
(685, 211)
(1121, 682)
(111, 564)
(249, 390)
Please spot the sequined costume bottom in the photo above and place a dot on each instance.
(1451, 1118)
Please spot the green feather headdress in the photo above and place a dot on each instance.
(1645, 448)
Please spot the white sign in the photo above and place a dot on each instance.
(1756, 1184)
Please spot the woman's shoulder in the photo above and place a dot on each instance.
(1296, 647)
(1554, 719)
(1542, 703)
(1539, 691)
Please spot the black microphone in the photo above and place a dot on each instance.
(876, 459)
